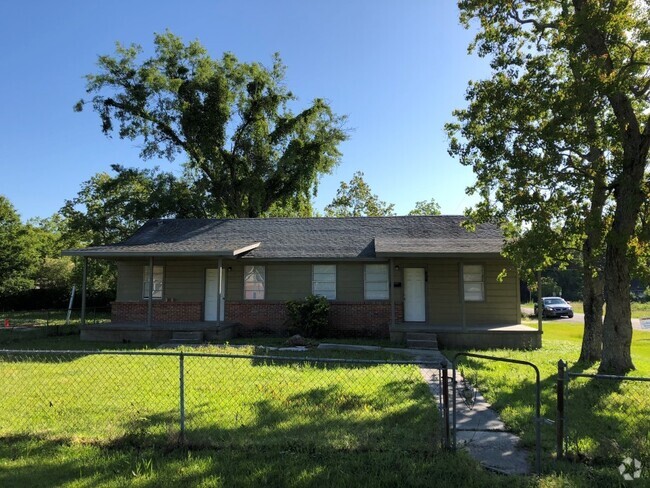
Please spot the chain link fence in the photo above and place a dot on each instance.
(47, 322)
(607, 418)
(218, 400)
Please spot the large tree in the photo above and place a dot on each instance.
(232, 120)
(426, 207)
(567, 127)
(356, 199)
(16, 254)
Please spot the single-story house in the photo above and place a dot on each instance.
(384, 277)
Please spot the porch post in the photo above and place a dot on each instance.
(391, 291)
(461, 292)
(219, 291)
(84, 283)
(150, 300)
(540, 308)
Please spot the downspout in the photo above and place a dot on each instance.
(84, 283)
(461, 293)
(150, 301)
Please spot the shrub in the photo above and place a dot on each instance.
(310, 315)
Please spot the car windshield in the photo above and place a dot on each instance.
(554, 301)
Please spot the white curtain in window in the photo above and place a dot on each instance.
(254, 278)
(324, 280)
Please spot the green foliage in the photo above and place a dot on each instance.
(232, 120)
(310, 315)
(109, 208)
(16, 253)
(50, 269)
(558, 138)
(355, 199)
(425, 207)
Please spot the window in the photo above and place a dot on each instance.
(376, 282)
(473, 282)
(324, 280)
(157, 282)
(254, 278)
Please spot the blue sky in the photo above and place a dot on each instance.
(397, 69)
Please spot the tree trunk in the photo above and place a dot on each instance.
(592, 272)
(593, 300)
(617, 328)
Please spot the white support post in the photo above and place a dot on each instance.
(84, 283)
(150, 300)
(219, 291)
(461, 291)
(540, 302)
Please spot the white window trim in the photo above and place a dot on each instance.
(385, 281)
(261, 271)
(158, 279)
(474, 282)
(314, 282)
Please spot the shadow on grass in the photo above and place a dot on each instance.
(605, 420)
(50, 463)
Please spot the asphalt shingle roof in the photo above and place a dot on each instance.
(312, 238)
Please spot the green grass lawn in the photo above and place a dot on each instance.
(52, 317)
(608, 420)
(113, 420)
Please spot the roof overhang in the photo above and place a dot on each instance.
(160, 251)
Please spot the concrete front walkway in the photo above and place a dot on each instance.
(480, 431)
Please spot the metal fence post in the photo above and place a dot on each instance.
(559, 418)
(181, 364)
(445, 401)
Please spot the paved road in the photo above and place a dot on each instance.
(577, 317)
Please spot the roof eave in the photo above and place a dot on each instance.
(99, 253)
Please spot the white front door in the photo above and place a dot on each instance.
(414, 295)
(212, 295)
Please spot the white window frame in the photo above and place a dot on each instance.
(158, 282)
(474, 282)
(254, 288)
(323, 280)
(376, 276)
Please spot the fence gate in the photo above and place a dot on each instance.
(617, 432)
(468, 422)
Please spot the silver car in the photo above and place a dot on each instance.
(555, 307)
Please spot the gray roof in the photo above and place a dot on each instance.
(312, 238)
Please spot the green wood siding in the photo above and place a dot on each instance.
(443, 297)
(501, 305)
(288, 281)
(349, 282)
(235, 281)
(184, 280)
(129, 280)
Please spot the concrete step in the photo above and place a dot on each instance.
(421, 336)
(187, 337)
(421, 344)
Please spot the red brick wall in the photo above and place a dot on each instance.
(123, 312)
(369, 319)
(346, 318)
